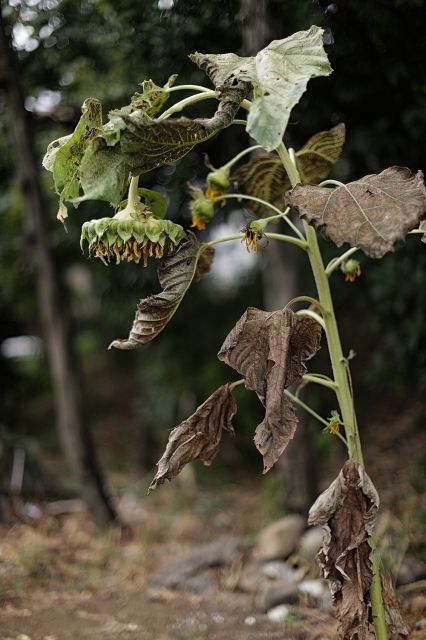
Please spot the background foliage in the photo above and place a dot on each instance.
(70, 50)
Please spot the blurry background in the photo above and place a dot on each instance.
(127, 402)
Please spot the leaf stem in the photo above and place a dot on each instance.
(238, 121)
(336, 262)
(307, 408)
(132, 200)
(280, 236)
(336, 183)
(235, 384)
(240, 155)
(190, 87)
(205, 95)
(311, 314)
(311, 377)
(317, 304)
(281, 214)
(240, 236)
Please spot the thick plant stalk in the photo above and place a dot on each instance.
(343, 391)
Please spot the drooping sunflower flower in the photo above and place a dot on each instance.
(201, 206)
(131, 239)
(352, 270)
(253, 232)
(217, 185)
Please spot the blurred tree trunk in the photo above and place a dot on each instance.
(73, 434)
(280, 285)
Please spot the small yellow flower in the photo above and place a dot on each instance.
(216, 195)
(197, 222)
(352, 270)
(252, 241)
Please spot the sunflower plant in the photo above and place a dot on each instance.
(269, 349)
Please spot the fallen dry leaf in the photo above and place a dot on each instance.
(198, 436)
(347, 512)
(374, 213)
(285, 340)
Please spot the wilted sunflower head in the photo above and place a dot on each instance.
(131, 238)
(201, 206)
(253, 232)
(351, 268)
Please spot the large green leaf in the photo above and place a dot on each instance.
(279, 75)
(63, 156)
(142, 146)
(374, 213)
(176, 273)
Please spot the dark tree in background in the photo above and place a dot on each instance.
(102, 49)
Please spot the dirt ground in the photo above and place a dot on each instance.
(63, 579)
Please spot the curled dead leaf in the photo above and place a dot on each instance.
(264, 176)
(347, 512)
(396, 625)
(374, 213)
(176, 273)
(285, 341)
(423, 228)
(198, 436)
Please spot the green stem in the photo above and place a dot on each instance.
(205, 95)
(240, 155)
(240, 236)
(235, 384)
(343, 392)
(281, 214)
(280, 236)
(310, 377)
(376, 596)
(311, 314)
(307, 408)
(308, 299)
(132, 200)
(189, 87)
(238, 121)
(336, 262)
(334, 183)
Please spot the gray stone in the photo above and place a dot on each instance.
(279, 539)
(276, 592)
(411, 570)
(181, 574)
(310, 542)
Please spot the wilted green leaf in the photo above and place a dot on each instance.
(374, 213)
(279, 75)
(142, 146)
(198, 436)
(63, 156)
(150, 101)
(286, 340)
(176, 274)
(265, 177)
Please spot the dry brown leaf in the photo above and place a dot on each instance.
(423, 228)
(285, 341)
(198, 436)
(396, 625)
(315, 158)
(262, 177)
(374, 214)
(347, 512)
(265, 177)
(176, 273)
